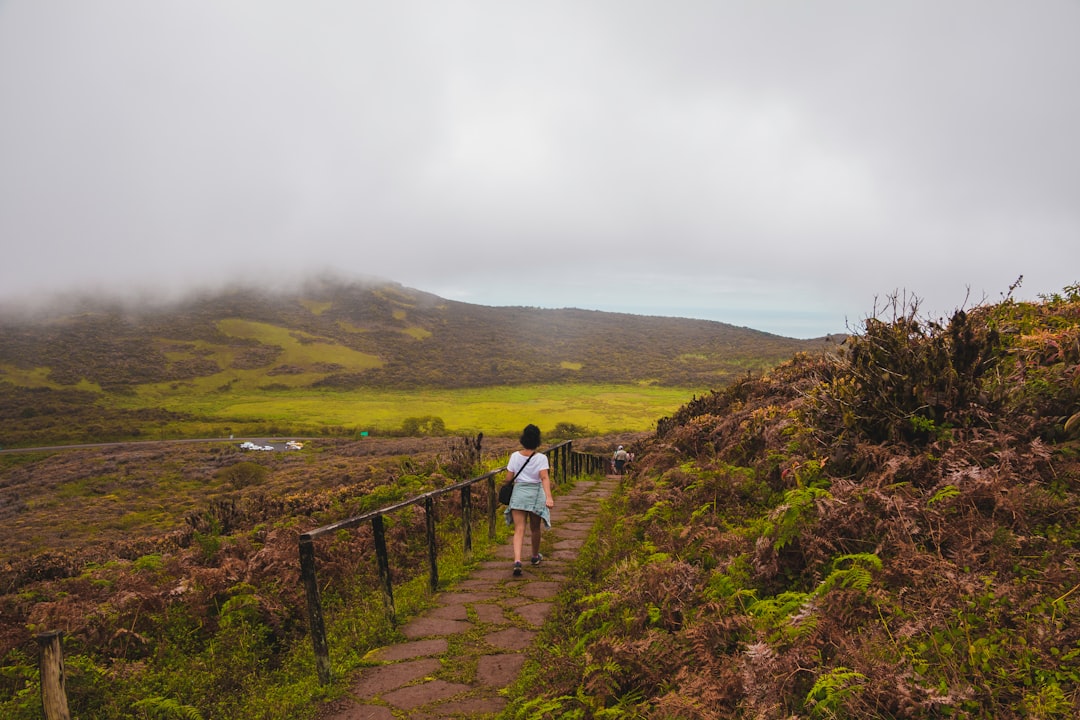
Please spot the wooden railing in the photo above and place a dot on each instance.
(564, 463)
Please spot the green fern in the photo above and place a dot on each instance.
(661, 512)
(775, 609)
(793, 513)
(857, 575)
(949, 491)
(598, 615)
(831, 690)
(159, 708)
(543, 708)
(600, 602)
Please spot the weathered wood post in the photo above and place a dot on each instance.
(433, 555)
(315, 616)
(493, 505)
(51, 665)
(466, 519)
(383, 558)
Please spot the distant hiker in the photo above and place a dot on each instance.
(532, 498)
(619, 459)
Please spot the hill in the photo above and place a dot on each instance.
(83, 363)
(890, 532)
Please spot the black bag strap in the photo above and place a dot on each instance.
(513, 479)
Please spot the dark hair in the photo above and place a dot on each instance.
(530, 437)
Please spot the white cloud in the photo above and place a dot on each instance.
(744, 161)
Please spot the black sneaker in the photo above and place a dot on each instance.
(537, 558)
(517, 569)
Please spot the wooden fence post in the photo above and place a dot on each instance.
(51, 664)
(315, 616)
(433, 555)
(466, 519)
(383, 558)
(493, 506)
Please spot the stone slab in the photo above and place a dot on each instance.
(409, 650)
(413, 696)
(455, 598)
(476, 583)
(449, 612)
(433, 627)
(377, 680)
(499, 670)
(541, 589)
(510, 639)
(361, 712)
(534, 613)
(511, 602)
(488, 613)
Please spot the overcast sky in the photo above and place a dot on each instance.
(777, 165)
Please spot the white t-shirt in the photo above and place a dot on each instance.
(531, 473)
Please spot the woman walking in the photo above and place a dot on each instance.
(532, 500)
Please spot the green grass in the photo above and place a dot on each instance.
(38, 377)
(192, 675)
(497, 410)
(299, 348)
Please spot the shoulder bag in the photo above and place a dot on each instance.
(507, 489)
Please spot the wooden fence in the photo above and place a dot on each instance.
(564, 462)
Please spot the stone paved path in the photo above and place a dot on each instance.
(461, 653)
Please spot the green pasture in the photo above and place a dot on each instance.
(493, 410)
(38, 377)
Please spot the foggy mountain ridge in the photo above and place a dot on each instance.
(341, 334)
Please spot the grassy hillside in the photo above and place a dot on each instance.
(256, 362)
(893, 532)
(172, 569)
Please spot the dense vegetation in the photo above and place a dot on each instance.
(889, 532)
(103, 370)
(173, 570)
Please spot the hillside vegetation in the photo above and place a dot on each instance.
(173, 570)
(889, 532)
(107, 371)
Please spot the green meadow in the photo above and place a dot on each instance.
(239, 399)
(600, 409)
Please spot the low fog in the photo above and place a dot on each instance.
(778, 165)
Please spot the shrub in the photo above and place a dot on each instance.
(242, 474)
(426, 426)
